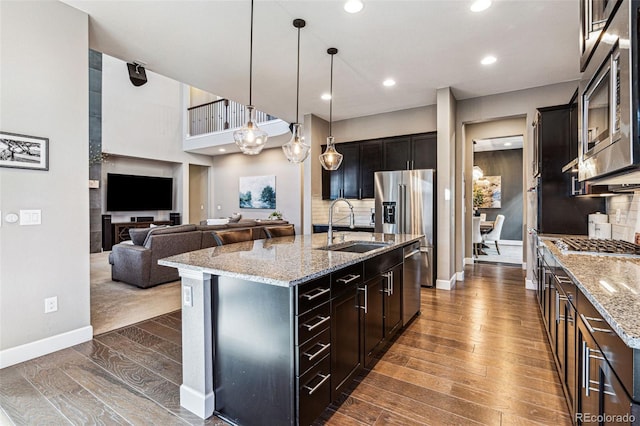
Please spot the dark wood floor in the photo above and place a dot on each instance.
(476, 355)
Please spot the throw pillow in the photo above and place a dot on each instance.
(138, 235)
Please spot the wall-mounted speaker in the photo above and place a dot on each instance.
(137, 74)
(175, 219)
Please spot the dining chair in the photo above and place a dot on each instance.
(232, 236)
(279, 231)
(494, 234)
(476, 236)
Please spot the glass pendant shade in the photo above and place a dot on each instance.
(296, 150)
(330, 158)
(250, 138)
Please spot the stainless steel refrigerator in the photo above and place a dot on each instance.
(405, 204)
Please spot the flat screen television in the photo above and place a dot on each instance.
(134, 193)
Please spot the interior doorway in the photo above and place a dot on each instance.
(198, 193)
(498, 198)
(495, 161)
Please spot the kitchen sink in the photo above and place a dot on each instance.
(356, 246)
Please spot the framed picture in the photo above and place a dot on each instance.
(257, 192)
(487, 192)
(24, 152)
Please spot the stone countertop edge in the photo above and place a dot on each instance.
(227, 261)
(621, 315)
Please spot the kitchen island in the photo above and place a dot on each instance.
(274, 330)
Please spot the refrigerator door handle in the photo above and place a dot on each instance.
(400, 212)
(404, 209)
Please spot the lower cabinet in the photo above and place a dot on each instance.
(346, 350)
(382, 307)
(595, 367)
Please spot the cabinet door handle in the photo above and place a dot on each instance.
(348, 278)
(318, 324)
(391, 283)
(594, 329)
(325, 377)
(321, 291)
(366, 291)
(360, 193)
(322, 348)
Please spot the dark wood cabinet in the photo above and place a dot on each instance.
(393, 301)
(425, 151)
(346, 352)
(370, 162)
(373, 323)
(558, 211)
(396, 153)
(355, 177)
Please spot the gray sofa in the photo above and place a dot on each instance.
(135, 262)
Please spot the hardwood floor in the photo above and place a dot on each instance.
(476, 355)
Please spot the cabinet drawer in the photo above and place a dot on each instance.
(382, 263)
(314, 392)
(313, 322)
(617, 353)
(312, 294)
(344, 278)
(313, 351)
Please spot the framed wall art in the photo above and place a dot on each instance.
(257, 192)
(24, 152)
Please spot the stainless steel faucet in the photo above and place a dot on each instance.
(352, 219)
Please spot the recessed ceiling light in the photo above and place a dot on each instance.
(222, 150)
(480, 5)
(389, 82)
(353, 6)
(488, 60)
(326, 96)
(507, 144)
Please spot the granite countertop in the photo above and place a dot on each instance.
(283, 261)
(612, 285)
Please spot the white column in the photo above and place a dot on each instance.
(196, 391)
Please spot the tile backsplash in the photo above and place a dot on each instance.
(623, 216)
(361, 210)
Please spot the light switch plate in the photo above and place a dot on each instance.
(187, 296)
(30, 217)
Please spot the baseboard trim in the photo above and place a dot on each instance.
(446, 284)
(510, 242)
(469, 261)
(198, 403)
(528, 284)
(460, 276)
(18, 354)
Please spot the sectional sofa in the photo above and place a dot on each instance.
(135, 262)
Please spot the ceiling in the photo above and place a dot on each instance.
(424, 45)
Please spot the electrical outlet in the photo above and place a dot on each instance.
(187, 296)
(50, 304)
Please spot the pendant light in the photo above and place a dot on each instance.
(250, 138)
(296, 150)
(330, 158)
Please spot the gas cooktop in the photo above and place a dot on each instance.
(598, 246)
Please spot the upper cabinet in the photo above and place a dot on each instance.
(354, 178)
(595, 17)
(410, 152)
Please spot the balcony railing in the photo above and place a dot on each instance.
(220, 115)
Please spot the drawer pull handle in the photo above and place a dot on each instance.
(321, 291)
(318, 324)
(322, 348)
(347, 279)
(416, 251)
(316, 387)
(594, 329)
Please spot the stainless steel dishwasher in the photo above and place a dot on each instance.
(416, 272)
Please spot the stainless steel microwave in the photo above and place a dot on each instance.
(608, 114)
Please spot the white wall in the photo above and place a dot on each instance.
(45, 92)
(227, 169)
(147, 122)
